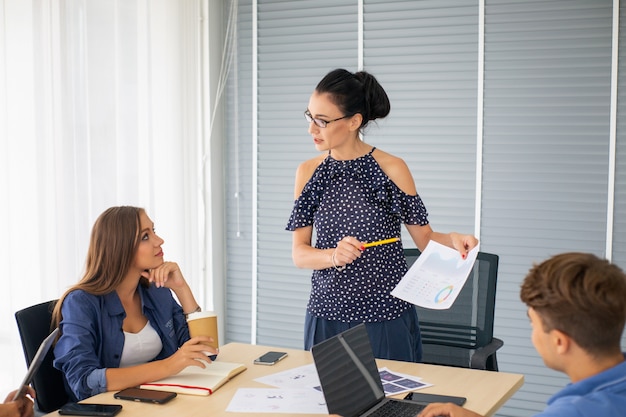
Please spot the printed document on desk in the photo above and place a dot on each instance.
(436, 278)
(275, 401)
(306, 377)
(194, 380)
(298, 391)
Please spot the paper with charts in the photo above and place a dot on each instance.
(298, 391)
(436, 278)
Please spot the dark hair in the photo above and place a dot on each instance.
(581, 295)
(112, 249)
(356, 93)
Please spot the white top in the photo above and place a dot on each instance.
(140, 347)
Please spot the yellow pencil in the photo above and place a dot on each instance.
(381, 242)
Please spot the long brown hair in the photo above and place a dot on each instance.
(114, 242)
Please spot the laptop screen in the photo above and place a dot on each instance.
(348, 373)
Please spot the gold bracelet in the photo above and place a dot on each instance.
(332, 259)
(197, 310)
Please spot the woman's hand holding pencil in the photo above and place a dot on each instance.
(348, 250)
(379, 242)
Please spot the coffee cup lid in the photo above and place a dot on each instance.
(201, 314)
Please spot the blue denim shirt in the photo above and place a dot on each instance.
(92, 338)
(602, 395)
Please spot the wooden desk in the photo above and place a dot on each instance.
(485, 391)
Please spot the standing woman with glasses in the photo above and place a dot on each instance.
(351, 194)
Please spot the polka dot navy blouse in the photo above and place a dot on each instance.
(356, 198)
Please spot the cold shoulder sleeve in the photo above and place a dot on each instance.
(409, 208)
(306, 204)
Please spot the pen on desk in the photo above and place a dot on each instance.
(380, 242)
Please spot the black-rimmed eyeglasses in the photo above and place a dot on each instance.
(319, 122)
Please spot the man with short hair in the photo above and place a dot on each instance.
(577, 309)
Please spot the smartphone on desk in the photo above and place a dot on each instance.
(145, 395)
(81, 409)
(270, 358)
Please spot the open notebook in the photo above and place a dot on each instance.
(194, 380)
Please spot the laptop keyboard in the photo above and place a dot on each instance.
(397, 409)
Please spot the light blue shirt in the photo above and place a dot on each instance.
(92, 338)
(602, 395)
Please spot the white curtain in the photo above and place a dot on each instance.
(100, 102)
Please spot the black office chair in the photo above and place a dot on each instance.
(33, 324)
(463, 335)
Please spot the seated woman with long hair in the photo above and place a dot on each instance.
(120, 324)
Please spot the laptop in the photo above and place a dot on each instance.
(35, 364)
(350, 380)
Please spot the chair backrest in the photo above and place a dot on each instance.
(33, 324)
(450, 337)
